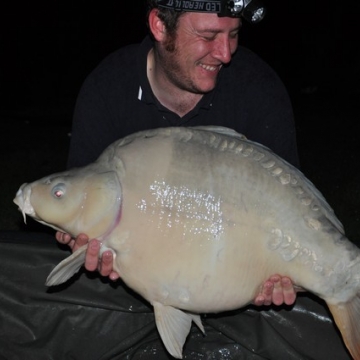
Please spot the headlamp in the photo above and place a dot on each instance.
(251, 10)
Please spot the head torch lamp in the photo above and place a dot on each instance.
(251, 10)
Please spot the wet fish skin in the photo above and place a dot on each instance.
(208, 206)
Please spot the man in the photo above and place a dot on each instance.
(191, 74)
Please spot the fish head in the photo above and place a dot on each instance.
(77, 201)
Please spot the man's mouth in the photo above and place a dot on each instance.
(210, 67)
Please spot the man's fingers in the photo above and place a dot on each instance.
(92, 255)
(63, 238)
(114, 276)
(106, 266)
(92, 262)
(277, 295)
(268, 291)
(106, 263)
(288, 291)
(74, 244)
(283, 290)
(259, 300)
(59, 236)
(276, 290)
(265, 295)
(80, 241)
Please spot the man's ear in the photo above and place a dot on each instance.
(156, 25)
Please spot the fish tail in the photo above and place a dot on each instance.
(347, 318)
(67, 268)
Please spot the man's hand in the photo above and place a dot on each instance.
(276, 290)
(92, 262)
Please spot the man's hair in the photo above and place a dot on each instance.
(169, 17)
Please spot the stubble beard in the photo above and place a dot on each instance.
(172, 67)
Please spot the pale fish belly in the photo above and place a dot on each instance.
(210, 259)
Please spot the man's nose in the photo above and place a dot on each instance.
(223, 49)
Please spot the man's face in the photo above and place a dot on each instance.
(193, 57)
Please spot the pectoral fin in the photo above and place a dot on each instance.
(174, 326)
(67, 268)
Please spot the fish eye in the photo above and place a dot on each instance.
(58, 191)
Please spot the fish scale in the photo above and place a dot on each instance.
(190, 214)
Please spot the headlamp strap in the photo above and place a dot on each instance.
(211, 6)
(251, 10)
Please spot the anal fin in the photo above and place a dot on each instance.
(174, 326)
(67, 268)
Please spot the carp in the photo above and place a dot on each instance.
(196, 219)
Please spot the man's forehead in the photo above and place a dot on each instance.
(211, 22)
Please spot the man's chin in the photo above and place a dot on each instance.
(206, 89)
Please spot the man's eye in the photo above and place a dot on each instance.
(209, 38)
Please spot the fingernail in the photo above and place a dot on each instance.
(94, 244)
(286, 281)
(107, 254)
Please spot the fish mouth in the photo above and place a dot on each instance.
(99, 228)
(22, 200)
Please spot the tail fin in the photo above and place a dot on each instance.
(67, 268)
(347, 318)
